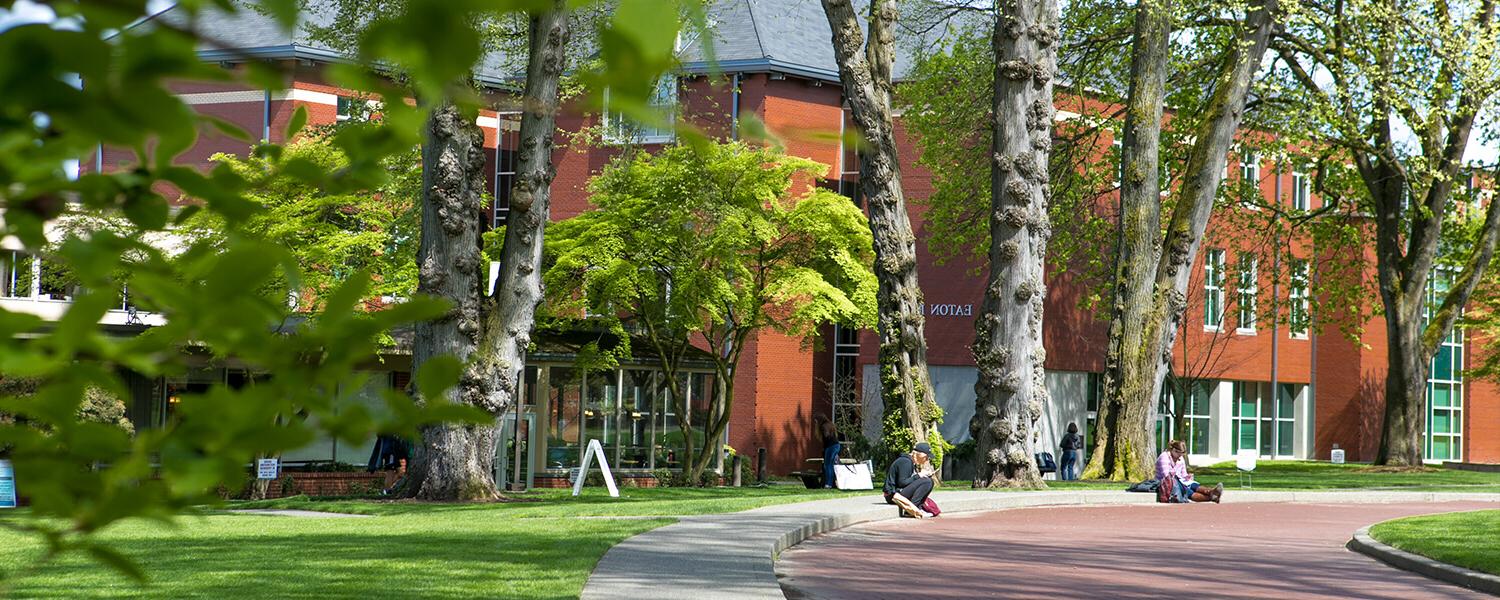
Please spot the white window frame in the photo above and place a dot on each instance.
(500, 215)
(1301, 191)
(1301, 274)
(664, 99)
(1247, 291)
(1213, 288)
(1250, 173)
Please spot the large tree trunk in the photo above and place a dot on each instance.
(1150, 298)
(456, 462)
(865, 70)
(453, 461)
(1011, 389)
(1126, 409)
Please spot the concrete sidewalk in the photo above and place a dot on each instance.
(732, 555)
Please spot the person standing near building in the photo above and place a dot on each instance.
(1072, 446)
(831, 449)
(908, 481)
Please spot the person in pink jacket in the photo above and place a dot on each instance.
(1172, 463)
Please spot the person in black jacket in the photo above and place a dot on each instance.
(1072, 445)
(908, 481)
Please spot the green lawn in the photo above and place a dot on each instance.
(1465, 539)
(1306, 475)
(531, 549)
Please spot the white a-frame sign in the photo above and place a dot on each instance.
(595, 449)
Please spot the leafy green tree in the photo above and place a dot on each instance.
(490, 333)
(706, 246)
(331, 235)
(1360, 73)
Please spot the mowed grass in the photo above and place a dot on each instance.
(544, 546)
(1466, 539)
(594, 502)
(1310, 475)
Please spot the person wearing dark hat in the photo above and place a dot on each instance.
(909, 480)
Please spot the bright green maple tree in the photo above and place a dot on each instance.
(705, 246)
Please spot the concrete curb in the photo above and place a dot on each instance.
(733, 555)
(1416, 563)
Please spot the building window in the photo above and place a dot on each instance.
(1445, 385)
(1250, 176)
(1213, 289)
(1118, 148)
(1262, 423)
(1166, 419)
(1301, 191)
(20, 274)
(508, 141)
(1247, 292)
(345, 110)
(1299, 317)
(620, 129)
(1195, 414)
(845, 387)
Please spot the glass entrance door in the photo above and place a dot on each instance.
(506, 450)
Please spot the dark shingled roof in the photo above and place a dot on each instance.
(787, 36)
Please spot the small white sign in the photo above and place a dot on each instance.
(267, 468)
(7, 485)
(1337, 456)
(595, 449)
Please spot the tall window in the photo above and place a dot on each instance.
(1247, 292)
(1445, 385)
(1250, 174)
(1213, 288)
(344, 109)
(1095, 389)
(1264, 423)
(19, 271)
(1118, 148)
(846, 406)
(621, 129)
(1299, 317)
(1301, 191)
(1195, 414)
(509, 141)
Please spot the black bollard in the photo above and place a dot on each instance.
(760, 465)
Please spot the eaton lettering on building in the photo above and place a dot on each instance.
(775, 63)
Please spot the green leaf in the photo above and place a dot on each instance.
(436, 375)
(299, 116)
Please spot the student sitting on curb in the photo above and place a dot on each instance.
(1171, 470)
(909, 480)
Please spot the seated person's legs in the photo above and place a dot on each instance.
(918, 490)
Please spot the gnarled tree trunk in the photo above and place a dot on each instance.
(865, 70)
(456, 462)
(453, 461)
(1152, 273)
(1012, 389)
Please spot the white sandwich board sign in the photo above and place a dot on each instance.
(595, 449)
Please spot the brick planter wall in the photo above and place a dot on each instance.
(329, 483)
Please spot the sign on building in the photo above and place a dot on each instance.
(7, 485)
(1337, 456)
(267, 468)
(595, 449)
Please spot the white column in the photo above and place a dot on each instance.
(1221, 410)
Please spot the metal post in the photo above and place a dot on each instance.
(516, 483)
(760, 465)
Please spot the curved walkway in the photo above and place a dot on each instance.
(1247, 550)
(731, 555)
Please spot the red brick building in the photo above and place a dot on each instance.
(1322, 390)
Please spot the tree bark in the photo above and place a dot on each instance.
(455, 462)
(865, 71)
(1153, 273)
(1011, 391)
